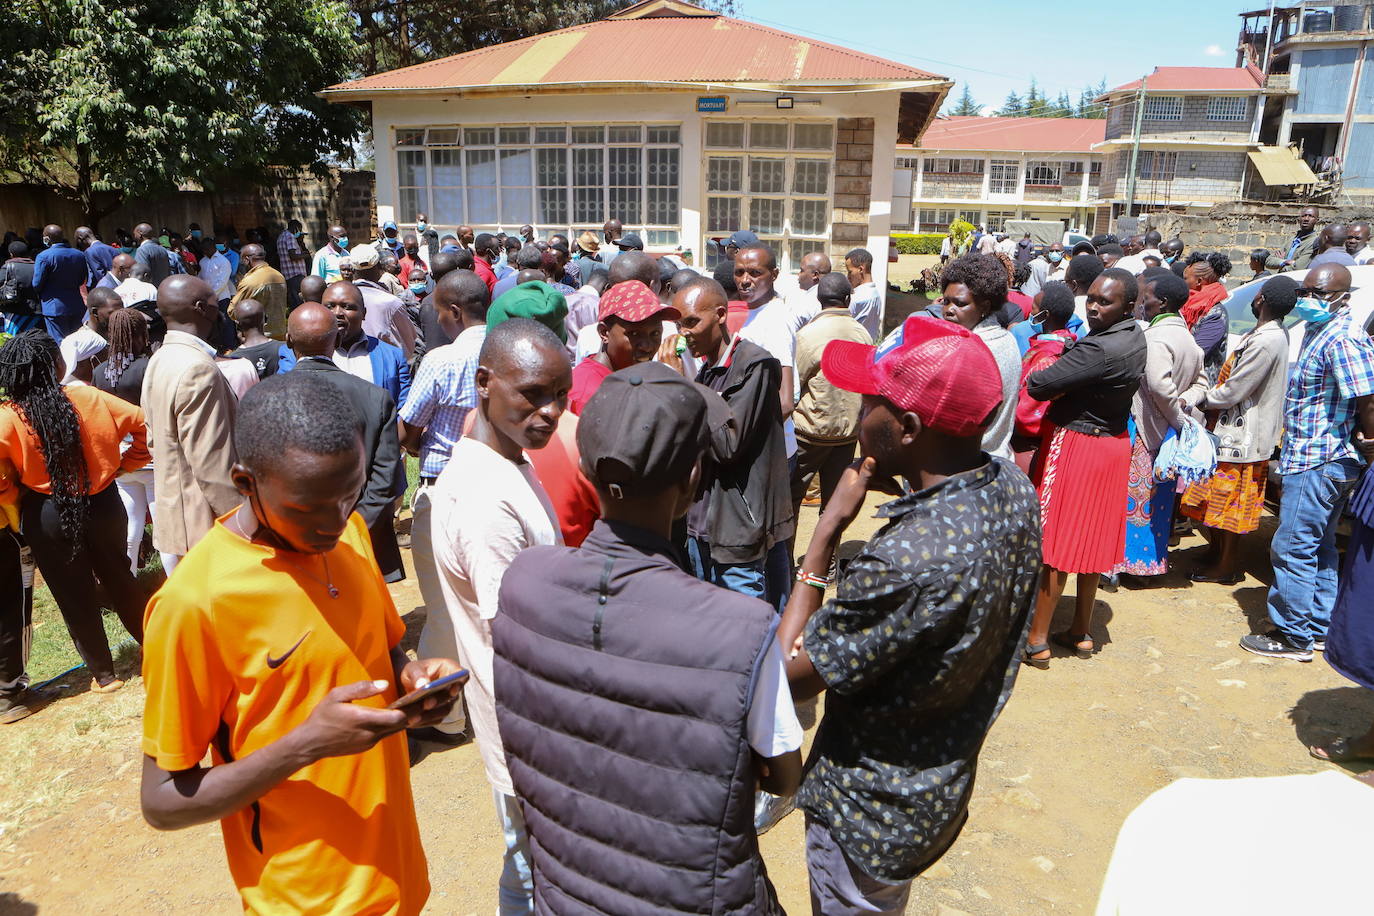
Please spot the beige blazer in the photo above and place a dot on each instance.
(190, 410)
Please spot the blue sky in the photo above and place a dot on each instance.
(998, 45)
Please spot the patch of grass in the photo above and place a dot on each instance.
(412, 479)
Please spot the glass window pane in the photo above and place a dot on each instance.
(725, 134)
(515, 135)
(663, 207)
(588, 173)
(588, 205)
(767, 135)
(551, 167)
(406, 136)
(410, 169)
(767, 176)
(515, 167)
(553, 206)
(448, 167)
(409, 202)
(624, 133)
(587, 167)
(551, 134)
(516, 208)
(479, 135)
(765, 214)
(813, 136)
(624, 169)
(722, 214)
(442, 136)
(663, 167)
(724, 174)
(448, 207)
(809, 217)
(664, 133)
(667, 238)
(482, 204)
(625, 204)
(589, 135)
(811, 176)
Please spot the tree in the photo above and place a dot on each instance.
(1013, 107)
(1035, 105)
(1087, 108)
(966, 106)
(138, 99)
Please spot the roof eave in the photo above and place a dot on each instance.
(342, 94)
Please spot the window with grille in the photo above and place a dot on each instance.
(1003, 176)
(1164, 108)
(773, 177)
(1228, 108)
(1157, 165)
(997, 219)
(1044, 174)
(558, 177)
(935, 220)
(943, 166)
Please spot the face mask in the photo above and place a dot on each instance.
(1038, 320)
(236, 241)
(419, 288)
(220, 247)
(1055, 256)
(299, 233)
(422, 226)
(195, 233)
(1313, 310)
(341, 241)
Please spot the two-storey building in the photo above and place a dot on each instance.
(990, 170)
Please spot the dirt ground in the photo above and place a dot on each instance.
(1078, 747)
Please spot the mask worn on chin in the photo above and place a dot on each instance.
(342, 241)
(1314, 311)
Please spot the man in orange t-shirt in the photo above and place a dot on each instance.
(276, 648)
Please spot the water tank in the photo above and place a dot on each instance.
(1349, 18)
(1317, 21)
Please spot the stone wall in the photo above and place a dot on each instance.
(853, 186)
(1236, 228)
(344, 197)
(938, 186)
(1204, 175)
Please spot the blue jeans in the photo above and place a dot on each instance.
(516, 889)
(745, 578)
(1303, 551)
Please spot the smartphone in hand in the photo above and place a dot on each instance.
(420, 693)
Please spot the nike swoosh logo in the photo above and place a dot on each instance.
(279, 660)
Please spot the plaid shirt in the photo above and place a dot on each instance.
(287, 246)
(1335, 366)
(443, 392)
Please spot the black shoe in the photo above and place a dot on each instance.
(1233, 579)
(1108, 582)
(432, 735)
(22, 705)
(1274, 646)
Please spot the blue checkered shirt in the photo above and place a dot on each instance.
(443, 392)
(1335, 366)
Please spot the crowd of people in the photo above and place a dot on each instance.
(612, 451)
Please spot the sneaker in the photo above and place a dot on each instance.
(1319, 645)
(1274, 646)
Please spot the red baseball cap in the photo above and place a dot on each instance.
(632, 302)
(941, 371)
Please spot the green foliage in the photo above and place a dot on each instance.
(1036, 104)
(962, 230)
(918, 243)
(140, 98)
(1013, 107)
(966, 106)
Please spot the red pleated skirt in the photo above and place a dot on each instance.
(1083, 500)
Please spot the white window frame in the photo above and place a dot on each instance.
(788, 239)
(1044, 173)
(1234, 108)
(942, 217)
(1157, 165)
(1163, 108)
(1009, 171)
(996, 220)
(411, 140)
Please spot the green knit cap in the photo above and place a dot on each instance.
(535, 299)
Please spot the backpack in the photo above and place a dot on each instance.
(16, 297)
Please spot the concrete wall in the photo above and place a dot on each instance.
(1194, 126)
(1237, 228)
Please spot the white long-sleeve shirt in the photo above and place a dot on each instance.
(215, 270)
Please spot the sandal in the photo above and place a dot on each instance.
(1027, 657)
(1337, 751)
(1071, 641)
(109, 686)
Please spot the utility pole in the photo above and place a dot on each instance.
(1135, 148)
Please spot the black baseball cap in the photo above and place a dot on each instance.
(645, 428)
(630, 241)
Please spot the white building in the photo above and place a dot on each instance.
(684, 124)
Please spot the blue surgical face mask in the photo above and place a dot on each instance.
(298, 233)
(1055, 256)
(419, 287)
(341, 241)
(195, 233)
(220, 246)
(422, 226)
(1313, 310)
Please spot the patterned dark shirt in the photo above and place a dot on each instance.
(919, 651)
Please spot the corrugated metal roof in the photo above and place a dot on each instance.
(1197, 79)
(1056, 135)
(691, 49)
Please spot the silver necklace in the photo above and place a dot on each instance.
(327, 581)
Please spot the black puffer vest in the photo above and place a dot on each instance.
(622, 687)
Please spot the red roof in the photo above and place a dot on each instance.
(1054, 135)
(656, 42)
(1197, 79)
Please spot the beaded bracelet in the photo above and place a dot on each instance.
(806, 578)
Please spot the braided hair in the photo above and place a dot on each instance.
(29, 381)
(128, 340)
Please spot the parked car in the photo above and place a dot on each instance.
(1241, 319)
